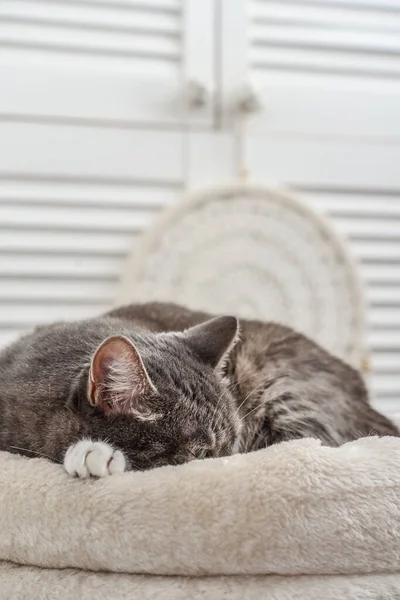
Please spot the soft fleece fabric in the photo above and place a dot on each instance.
(297, 520)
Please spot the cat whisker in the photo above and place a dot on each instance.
(251, 393)
(255, 408)
(135, 466)
(35, 452)
(213, 418)
(141, 468)
(230, 389)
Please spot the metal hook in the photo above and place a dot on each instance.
(248, 100)
(197, 94)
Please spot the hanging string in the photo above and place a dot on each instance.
(240, 118)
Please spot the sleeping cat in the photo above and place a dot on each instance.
(155, 384)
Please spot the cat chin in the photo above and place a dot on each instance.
(88, 458)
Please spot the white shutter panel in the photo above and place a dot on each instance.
(101, 61)
(327, 73)
(92, 136)
(70, 212)
(326, 67)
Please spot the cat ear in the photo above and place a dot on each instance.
(213, 340)
(118, 380)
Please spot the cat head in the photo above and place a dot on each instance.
(164, 398)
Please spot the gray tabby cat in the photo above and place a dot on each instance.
(155, 384)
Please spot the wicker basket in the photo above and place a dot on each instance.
(256, 252)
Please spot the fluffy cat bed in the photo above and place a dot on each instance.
(295, 521)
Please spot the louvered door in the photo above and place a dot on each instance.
(327, 74)
(89, 61)
(92, 135)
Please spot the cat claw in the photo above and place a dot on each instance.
(87, 458)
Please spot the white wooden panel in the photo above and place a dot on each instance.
(35, 290)
(381, 273)
(371, 228)
(233, 56)
(93, 153)
(327, 106)
(298, 36)
(308, 61)
(327, 56)
(7, 336)
(92, 142)
(375, 5)
(323, 163)
(386, 361)
(365, 204)
(375, 249)
(63, 218)
(63, 242)
(131, 18)
(79, 267)
(47, 312)
(64, 192)
(384, 317)
(34, 238)
(210, 158)
(91, 61)
(150, 4)
(383, 341)
(388, 406)
(324, 14)
(123, 63)
(386, 385)
(383, 295)
(87, 94)
(36, 33)
(322, 39)
(78, 178)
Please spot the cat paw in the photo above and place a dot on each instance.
(93, 459)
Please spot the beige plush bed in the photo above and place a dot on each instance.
(295, 521)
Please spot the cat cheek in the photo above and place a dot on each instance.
(192, 432)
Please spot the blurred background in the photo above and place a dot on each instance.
(111, 109)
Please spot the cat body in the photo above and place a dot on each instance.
(153, 384)
(287, 384)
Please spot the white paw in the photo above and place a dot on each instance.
(98, 459)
